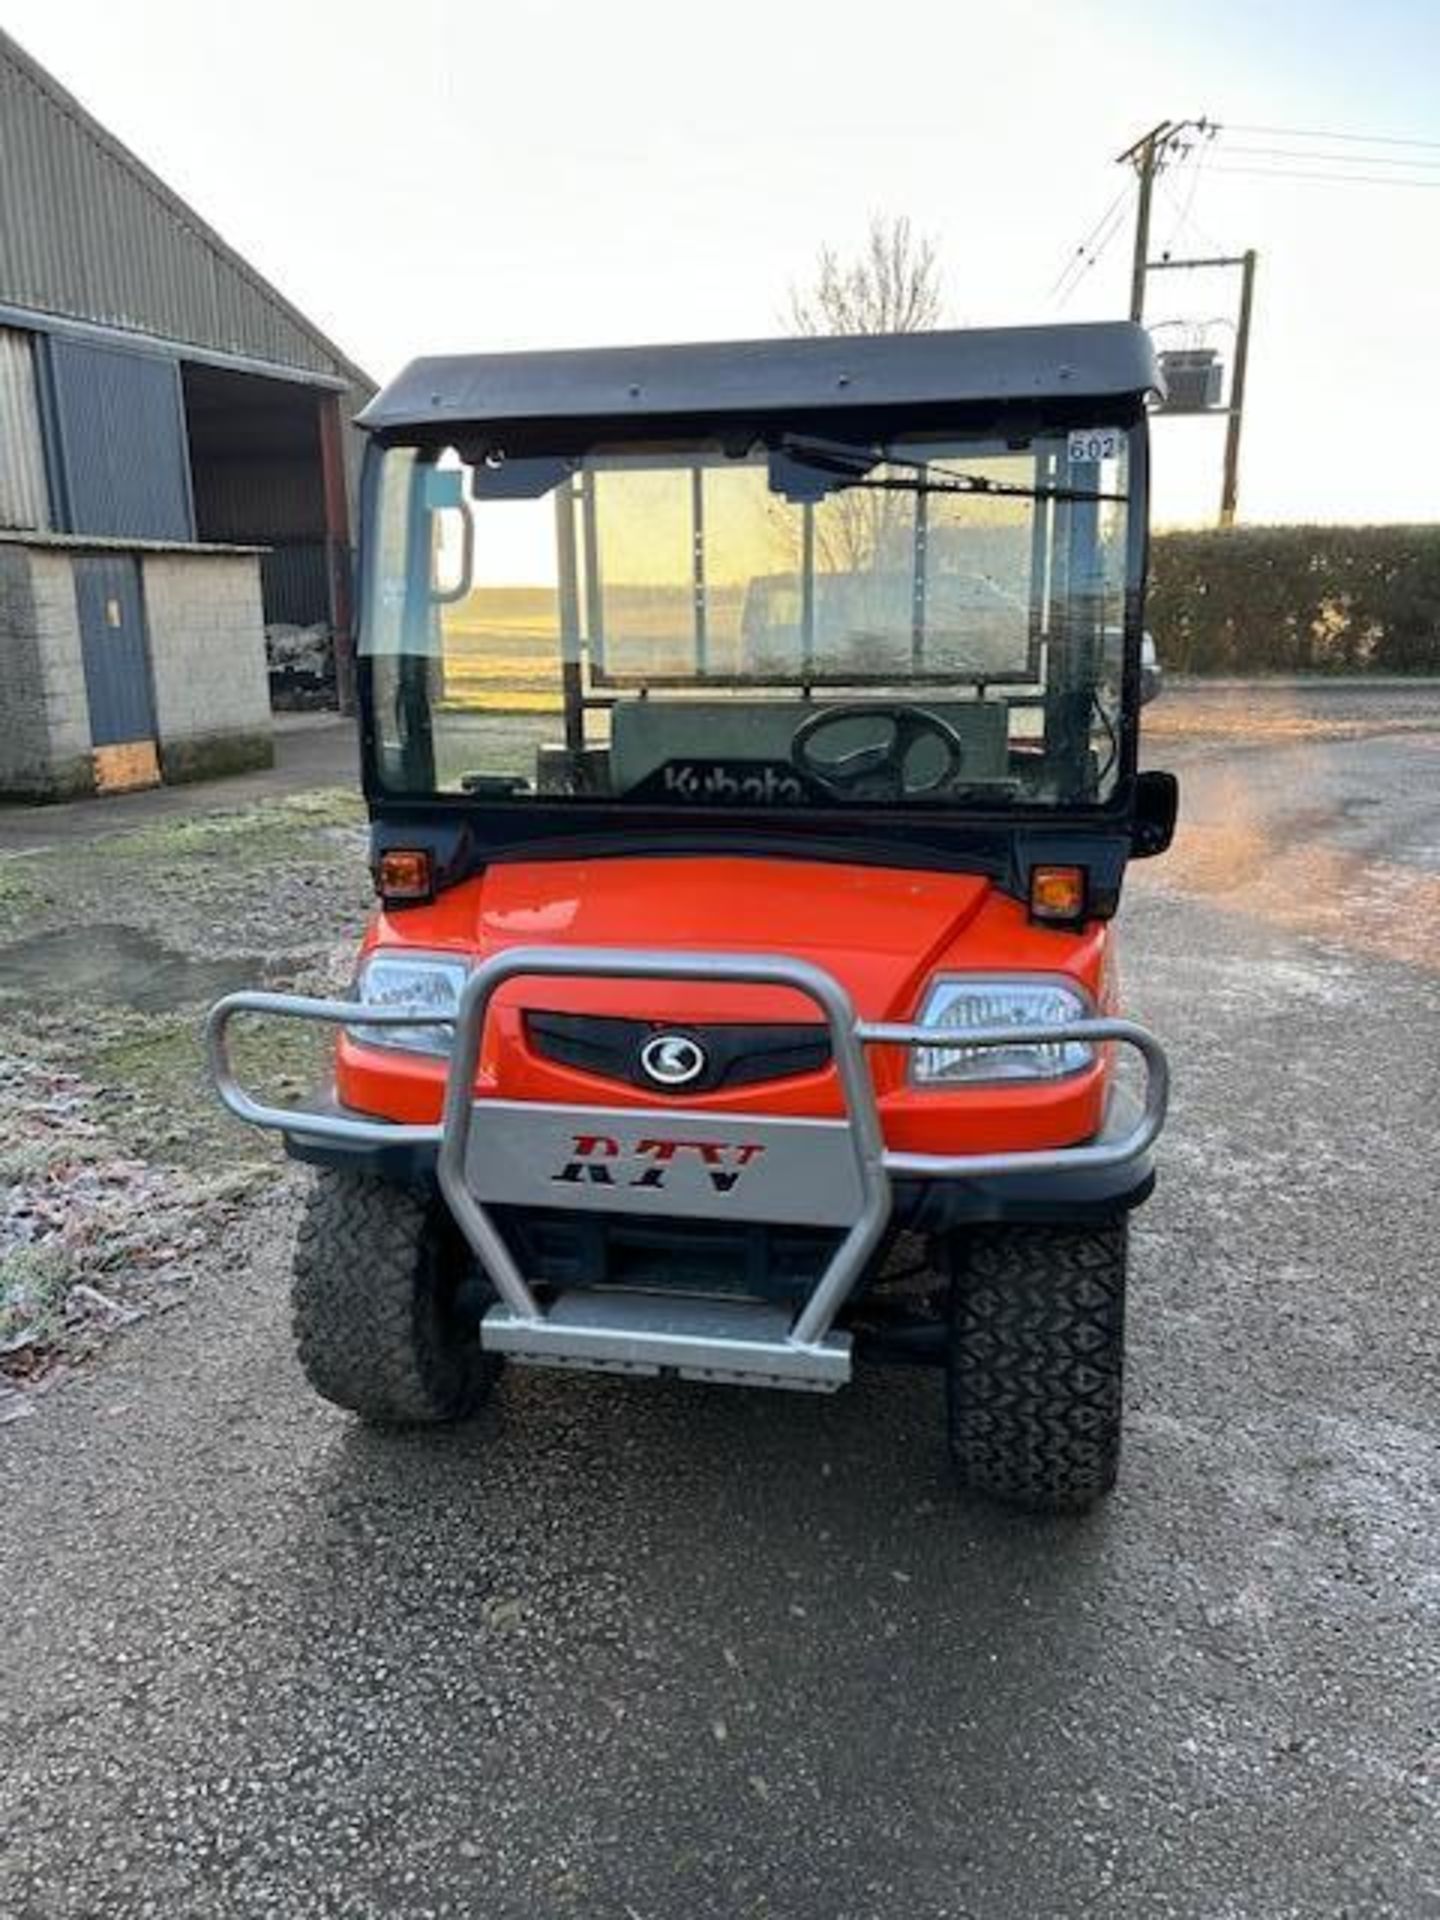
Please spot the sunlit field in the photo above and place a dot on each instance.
(502, 651)
(501, 645)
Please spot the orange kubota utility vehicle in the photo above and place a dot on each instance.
(749, 734)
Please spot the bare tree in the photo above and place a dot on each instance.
(892, 285)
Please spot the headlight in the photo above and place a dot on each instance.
(407, 980)
(989, 1002)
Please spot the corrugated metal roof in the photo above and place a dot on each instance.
(830, 375)
(89, 232)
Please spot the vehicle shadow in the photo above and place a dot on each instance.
(683, 1529)
(655, 1627)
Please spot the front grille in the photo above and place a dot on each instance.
(735, 1056)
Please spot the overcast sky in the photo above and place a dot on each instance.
(439, 175)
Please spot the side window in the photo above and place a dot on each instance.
(383, 596)
(500, 638)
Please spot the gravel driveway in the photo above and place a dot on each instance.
(658, 1650)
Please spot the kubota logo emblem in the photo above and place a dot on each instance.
(673, 1059)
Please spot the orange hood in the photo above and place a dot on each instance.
(878, 930)
(881, 931)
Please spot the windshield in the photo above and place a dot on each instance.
(925, 622)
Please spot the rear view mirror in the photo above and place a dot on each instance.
(443, 487)
(452, 547)
(1157, 804)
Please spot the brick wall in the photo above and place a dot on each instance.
(207, 662)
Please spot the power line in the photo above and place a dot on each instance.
(1314, 133)
(1183, 213)
(1079, 255)
(1188, 221)
(1340, 159)
(1096, 251)
(1326, 167)
(1348, 179)
(1088, 253)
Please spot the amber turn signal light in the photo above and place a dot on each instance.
(403, 873)
(1057, 893)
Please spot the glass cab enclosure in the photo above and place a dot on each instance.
(927, 619)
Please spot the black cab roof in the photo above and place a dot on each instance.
(833, 374)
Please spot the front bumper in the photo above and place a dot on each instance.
(833, 1174)
(919, 1205)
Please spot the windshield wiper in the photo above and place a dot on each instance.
(853, 467)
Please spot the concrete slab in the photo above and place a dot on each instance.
(311, 750)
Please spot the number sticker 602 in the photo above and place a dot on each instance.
(1093, 444)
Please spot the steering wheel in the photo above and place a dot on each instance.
(877, 772)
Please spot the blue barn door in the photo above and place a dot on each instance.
(124, 456)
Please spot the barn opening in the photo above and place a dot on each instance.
(263, 473)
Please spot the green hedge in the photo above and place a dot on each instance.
(1297, 600)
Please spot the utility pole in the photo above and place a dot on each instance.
(1148, 155)
(1143, 156)
(1230, 485)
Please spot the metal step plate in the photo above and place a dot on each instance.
(735, 1341)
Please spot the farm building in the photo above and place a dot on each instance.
(177, 471)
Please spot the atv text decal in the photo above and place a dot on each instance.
(599, 1160)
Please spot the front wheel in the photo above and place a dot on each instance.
(1036, 1355)
(378, 1298)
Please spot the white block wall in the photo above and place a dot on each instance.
(207, 645)
(44, 712)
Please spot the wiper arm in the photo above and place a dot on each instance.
(976, 483)
(853, 467)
